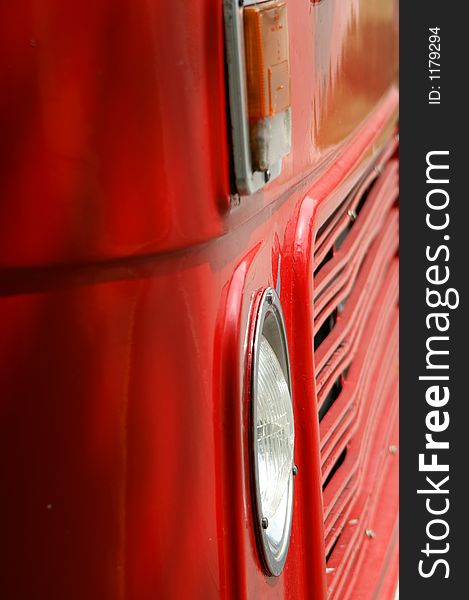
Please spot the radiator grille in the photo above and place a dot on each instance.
(355, 284)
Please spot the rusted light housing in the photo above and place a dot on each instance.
(268, 82)
(259, 84)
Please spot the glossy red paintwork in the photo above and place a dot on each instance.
(126, 283)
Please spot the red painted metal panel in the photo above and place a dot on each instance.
(115, 127)
(127, 282)
(138, 463)
(114, 135)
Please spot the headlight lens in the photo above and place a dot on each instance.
(273, 432)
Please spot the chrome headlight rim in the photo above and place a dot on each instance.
(270, 325)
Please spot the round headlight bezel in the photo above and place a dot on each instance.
(270, 325)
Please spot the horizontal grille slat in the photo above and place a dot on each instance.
(355, 327)
(343, 412)
(364, 229)
(358, 454)
(345, 559)
(339, 290)
(342, 475)
(340, 221)
(342, 341)
(334, 226)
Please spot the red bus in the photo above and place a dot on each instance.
(199, 287)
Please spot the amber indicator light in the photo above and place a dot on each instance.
(267, 62)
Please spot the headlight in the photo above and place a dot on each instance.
(273, 432)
